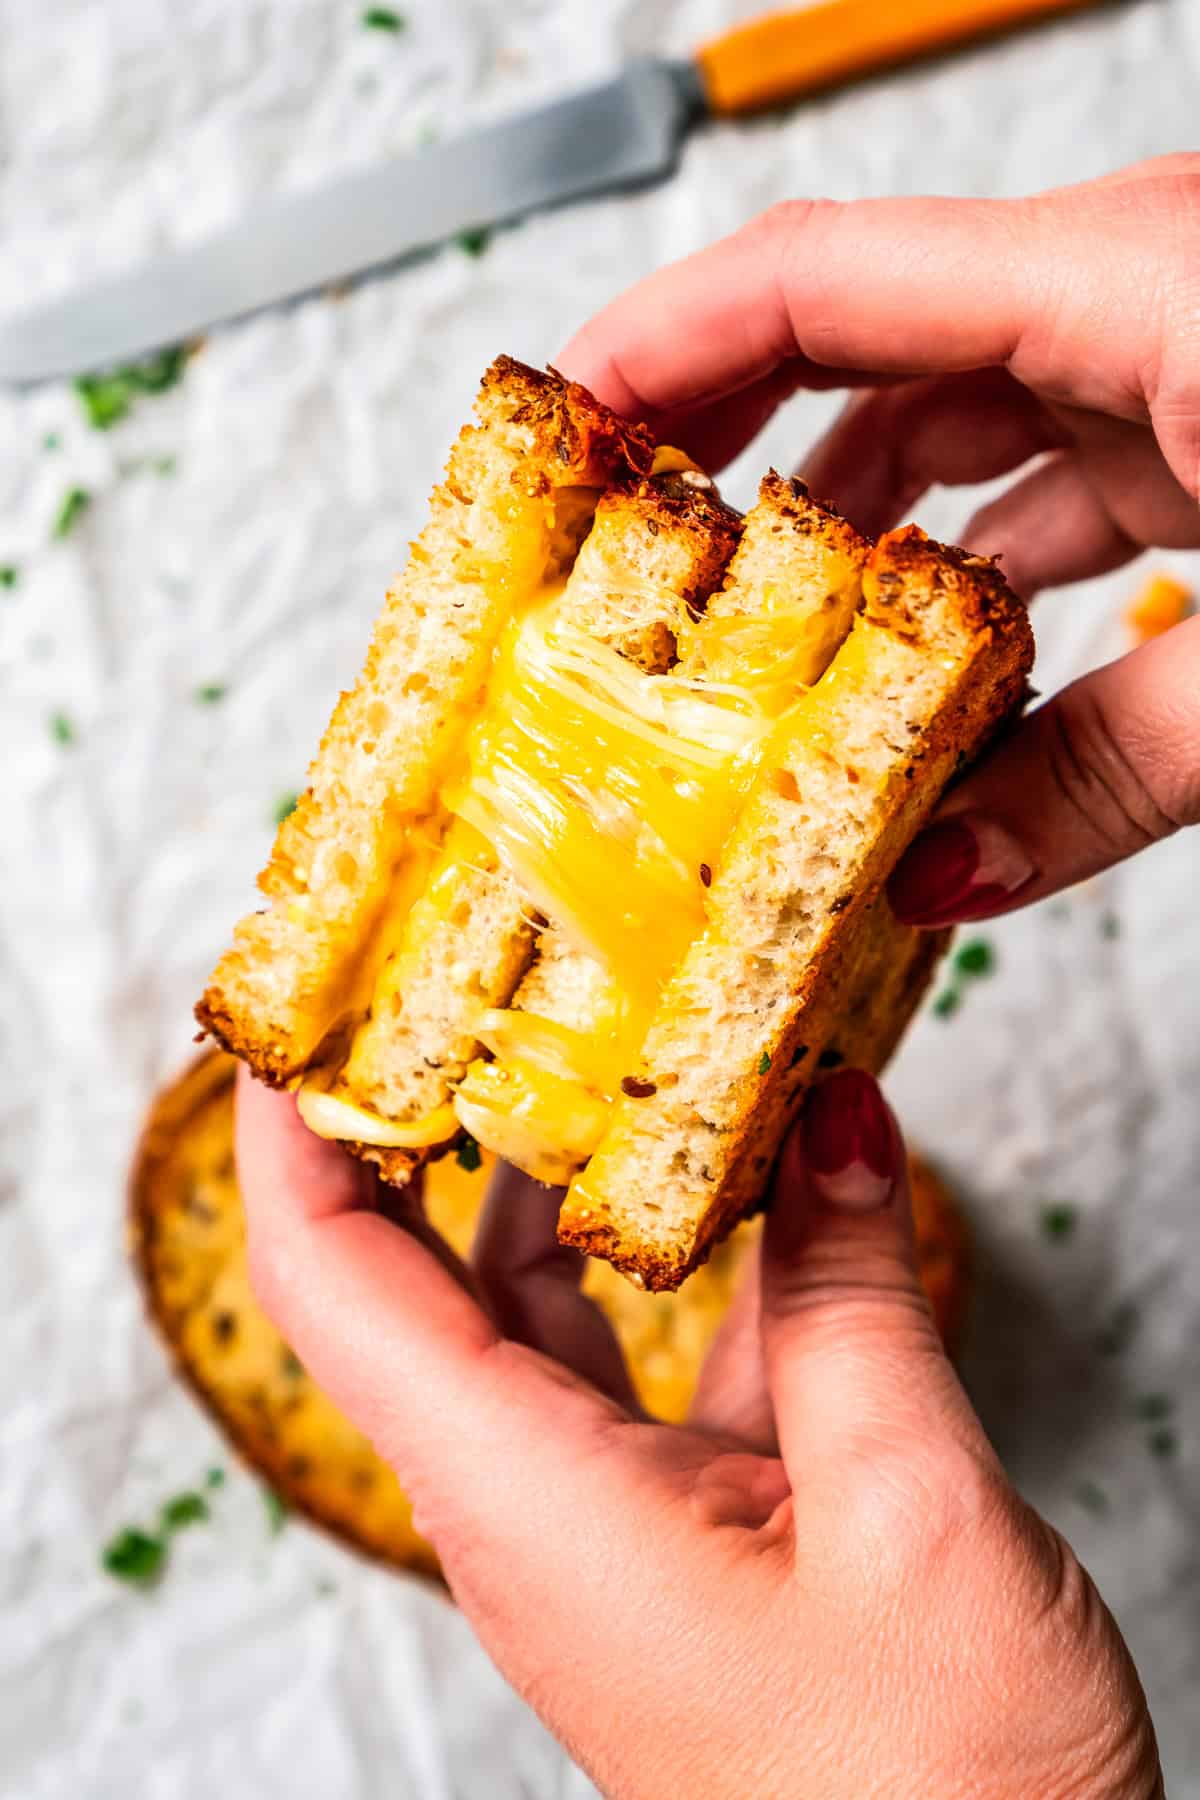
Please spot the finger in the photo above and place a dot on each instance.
(1104, 769)
(533, 1282)
(1067, 290)
(297, 1175)
(1050, 529)
(1087, 511)
(890, 446)
(731, 1397)
(854, 1362)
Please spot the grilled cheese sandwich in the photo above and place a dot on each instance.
(591, 859)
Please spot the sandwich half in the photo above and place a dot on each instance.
(590, 864)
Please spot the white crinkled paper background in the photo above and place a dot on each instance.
(305, 443)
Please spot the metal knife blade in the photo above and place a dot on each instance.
(624, 133)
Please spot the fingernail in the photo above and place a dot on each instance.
(848, 1142)
(960, 868)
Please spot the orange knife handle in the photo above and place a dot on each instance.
(786, 54)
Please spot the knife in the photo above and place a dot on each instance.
(625, 133)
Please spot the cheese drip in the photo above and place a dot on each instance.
(610, 794)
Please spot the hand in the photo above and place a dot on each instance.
(822, 1585)
(983, 335)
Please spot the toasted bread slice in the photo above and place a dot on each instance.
(936, 659)
(654, 553)
(517, 499)
(187, 1243)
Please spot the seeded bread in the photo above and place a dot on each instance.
(516, 502)
(937, 657)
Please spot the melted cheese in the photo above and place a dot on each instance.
(330, 1115)
(610, 792)
(544, 1124)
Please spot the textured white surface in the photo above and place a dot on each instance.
(306, 442)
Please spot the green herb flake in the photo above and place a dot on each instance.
(185, 1509)
(947, 1003)
(52, 441)
(1153, 1408)
(9, 575)
(61, 728)
(285, 806)
(474, 242)
(764, 1063)
(1162, 1441)
(277, 1512)
(163, 465)
(105, 399)
(1110, 926)
(469, 1156)
(382, 18)
(75, 503)
(1059, 1220)
(1092, 1497)
(976, 957)
(291, 1365)
(135, 1556)
(210, 693)
(1118, 1333)
(155, 374)
(215, 1478)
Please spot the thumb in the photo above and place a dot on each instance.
(854, 1361)
(1109, 766)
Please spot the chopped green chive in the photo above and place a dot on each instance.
(75, 503)
(291, 1365)
(185, 1509)
(155, 374)
(764, 1063)
(52, 441)
(1162, 1441)
(1153, 1408)
(976, 957)
(285, 806)
(1110, 926)
(474, 242)
(215, 1478)
(277, 1512)
(164, 465)
(947, 1003)
(1059, 1220)
(468, 1155)
(61, 728)
(382, 18)
(1092, 1497)
(9, 575)
(135, 1556)
(105, 399)
(210, 693)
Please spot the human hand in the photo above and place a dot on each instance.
(822, 1585)
(982, 335)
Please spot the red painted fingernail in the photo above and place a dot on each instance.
(848, 1142)
(960, 868)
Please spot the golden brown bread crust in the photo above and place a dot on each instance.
(187, 1247)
